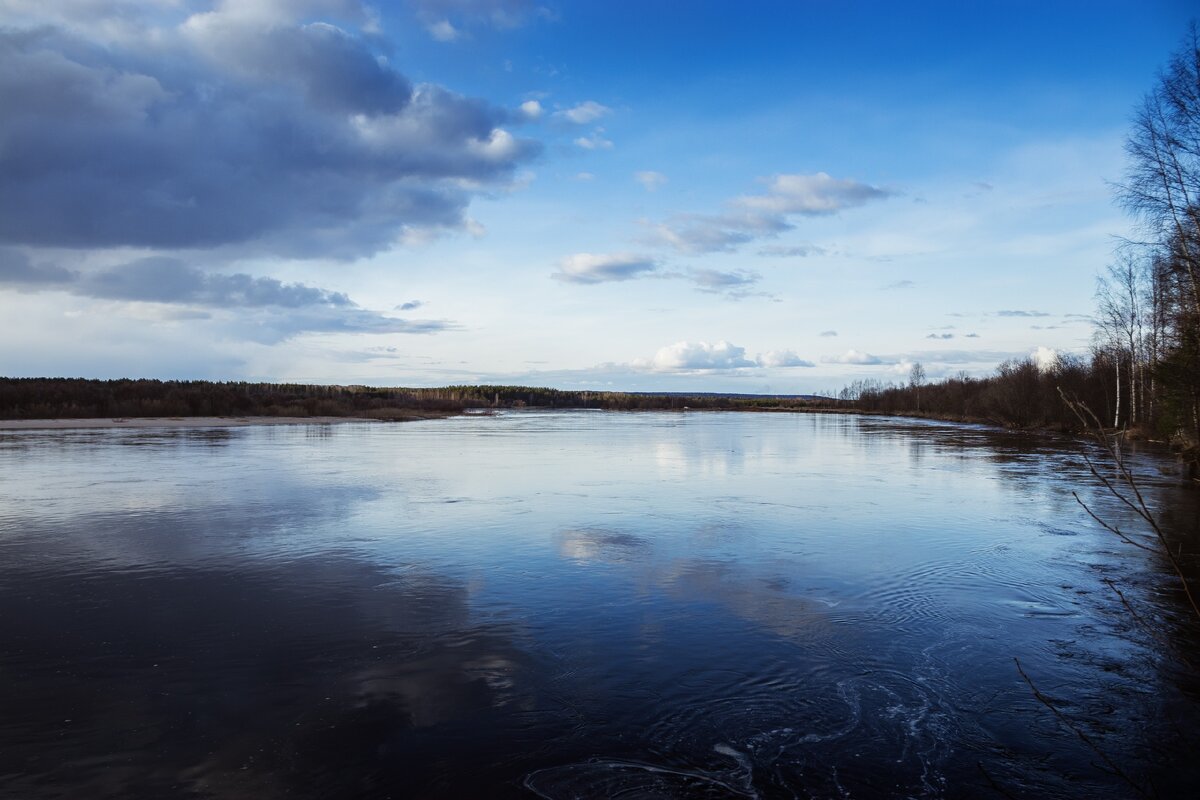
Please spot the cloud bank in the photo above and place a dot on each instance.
(281, 128)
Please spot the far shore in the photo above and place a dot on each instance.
(197, 422)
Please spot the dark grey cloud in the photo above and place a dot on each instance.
(18, 270)
(1019, 313)
(286, 309)
(294, 138)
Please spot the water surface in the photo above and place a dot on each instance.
(580, 604)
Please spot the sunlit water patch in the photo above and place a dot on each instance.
(583, 604)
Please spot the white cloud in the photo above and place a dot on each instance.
(811, 195)
(443, 31)
(650, 179)
(583, 113)
(594, 142)
(853, 357)
(1044, 357)
(751, 217)
(690, 356)
(603, 267)
(584, 176)
(531, 110)
(783, 358)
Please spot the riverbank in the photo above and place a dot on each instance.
(208, 422)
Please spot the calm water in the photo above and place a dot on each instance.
(577, 605)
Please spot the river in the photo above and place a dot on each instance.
(584, 604)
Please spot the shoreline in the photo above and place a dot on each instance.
(194, 422)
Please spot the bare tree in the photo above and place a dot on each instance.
(916, 377)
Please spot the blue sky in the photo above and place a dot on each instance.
(768, 197)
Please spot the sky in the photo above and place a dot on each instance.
(661, 196)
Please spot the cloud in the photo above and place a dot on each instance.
(811, 195)
(594, 142)
(1011, 313)
(650, 180)
(584, 176)
(288, 308)
(899, 285)
(691, 356)
(791, 251)
(855, 357)
(828, 333)
(531, 110)
(940, 336)
(584, 113)
(715, 281)
(971, 336)
(411, 305)
(1046, 358)
(17, 270)
(498, 14)
(752, 217)
(603, 267)
(443, 31)
(698, 234)
(783, 358)
(290, 136)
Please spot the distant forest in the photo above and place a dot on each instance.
(64, 398)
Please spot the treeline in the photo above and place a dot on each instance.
(1021, 394)
(66, 398)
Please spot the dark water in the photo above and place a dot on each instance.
(580, 605)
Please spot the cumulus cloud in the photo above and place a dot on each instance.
(1046, 358)
(752, 217)
(783, 358)
(855, 357)
(603, 267)
(275, 127)
(531, 110)
(694, 356)
(650, 179)
(584, 113)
